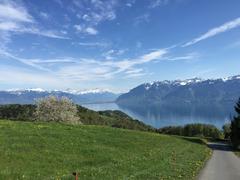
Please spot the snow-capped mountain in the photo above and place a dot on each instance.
(196, 90)
(88, 91)
(29, 96)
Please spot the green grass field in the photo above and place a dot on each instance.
(53, 151)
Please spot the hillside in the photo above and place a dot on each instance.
(116, 119)
(53, 151)
(186, 92)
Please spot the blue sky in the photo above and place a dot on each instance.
(116, 44)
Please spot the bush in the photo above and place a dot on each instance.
(226, 130)
(56, 109)
(17, 112)
(202, 130)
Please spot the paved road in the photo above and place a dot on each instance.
(223, 165)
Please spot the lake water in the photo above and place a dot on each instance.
(166, 116)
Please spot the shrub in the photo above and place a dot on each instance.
(202, 130)
(17, 112)
(56, 109)
(226, 130)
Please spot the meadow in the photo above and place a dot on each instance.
(37, 150)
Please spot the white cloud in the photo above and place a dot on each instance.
(130, 3)
(89, 69)
(92, 44)
(215, 31)
(13, 12)
(134, 75)
(134, 71)
(26, 62)
(93, 12)
(153, 55)
(4, 40)
(77, 70)
(156, 3)
(42, 32)
(87, 30)
(113, 54)
(8, 26)
(20, 76)
(91, 31)
(15, 18)
(78, 27)
(142, 18)
(44, 15)
(190, 56)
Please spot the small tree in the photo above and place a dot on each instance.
(56, 109)
(235, 127)
(226, 130)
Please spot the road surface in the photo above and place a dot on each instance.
(223, 165)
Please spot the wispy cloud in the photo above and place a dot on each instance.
(81, 69)
(135, 73)
(113, 54)
(24, 76)
(92, 13)
(87, 30)
(156, 3)
(94, 69)
(11, 11)
(190, 56)
(16, 18)
(141, 19)
(21, 60)
(130, 3)
(91, 31)
(92, 44)
(44, 15)
(215, 31)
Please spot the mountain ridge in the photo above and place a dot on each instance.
(196, 90)
(30, 95)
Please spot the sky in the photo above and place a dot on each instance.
(116, 44)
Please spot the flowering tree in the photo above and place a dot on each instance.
(56, 109)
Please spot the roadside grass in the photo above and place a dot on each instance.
(237, 153)
(54, 151)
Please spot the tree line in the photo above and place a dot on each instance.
(199, 130)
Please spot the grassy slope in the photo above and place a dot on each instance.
(111, 118)
(51, 151)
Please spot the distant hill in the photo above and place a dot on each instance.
(28, 96)
(187, 92)
(117, 119)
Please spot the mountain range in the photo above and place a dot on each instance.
(29, 96)
(187, 92)
(170, 93)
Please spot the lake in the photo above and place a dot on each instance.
(160, 116)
